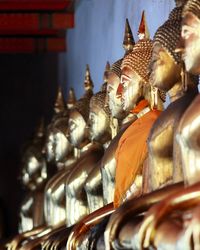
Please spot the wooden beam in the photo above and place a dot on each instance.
(32, 45)
(35, 5)
(33, 23)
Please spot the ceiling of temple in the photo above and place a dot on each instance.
(31, 26)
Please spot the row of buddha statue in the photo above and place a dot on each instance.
(115, 170)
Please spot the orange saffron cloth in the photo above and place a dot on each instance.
(132, 151)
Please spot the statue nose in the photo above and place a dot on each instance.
(67, 134)
(119, 91)
(106, 101)
(180, 46)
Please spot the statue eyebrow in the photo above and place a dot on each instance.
(125, 76)
(189, 28)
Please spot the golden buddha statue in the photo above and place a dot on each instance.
(136, 96)
(106, 175)
(120, 117)
(88, 153)
(33, 176)
(64, 158)
(78, 136)
(164, 165)
(141, 50)
(136, 182)
(185, 199)
(99, 134)
(94, 181)
(59, 114)
(119, 121)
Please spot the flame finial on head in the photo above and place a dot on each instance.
(129, 41)
(59, 105)
(143, 31)
(107, 69)
(40, 129)
(71, 100)
(88, 84)
(180, 2)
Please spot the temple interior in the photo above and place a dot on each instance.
(100, 124)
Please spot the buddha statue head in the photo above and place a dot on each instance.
(115, 103)
(190, 36)
(166, 63)
(99, 117)
(62, 146)
(78, 116)
(34, 170)
(134, 70)
(59, 111)
(58, 145)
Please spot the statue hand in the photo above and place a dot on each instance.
(192, 233)
(150, 224)
(13, 244)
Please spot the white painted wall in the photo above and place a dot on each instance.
(98, 36)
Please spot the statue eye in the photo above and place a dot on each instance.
(125, 84)
(72, 126)
(186, 31)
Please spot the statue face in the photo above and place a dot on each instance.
(34, 169)
(164, 71)
(132, 88)
(77, 128)
(49, 147)
(32, 165)
(191, 42)
(25, 177)
(115, 103)
(98, 123)
(61, 147)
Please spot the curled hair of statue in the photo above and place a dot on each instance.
(168, 35)
(192, 6)
(139, 58)
(116, 67)
(99, 99)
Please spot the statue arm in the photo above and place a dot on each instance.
(89, 221)
(182, 199)
(48, 196)
(14, 243)
(133, 207)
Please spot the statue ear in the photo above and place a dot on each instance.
(86, 130)
(154, 97)
(146, 91)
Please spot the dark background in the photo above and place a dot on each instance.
(28, 88)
